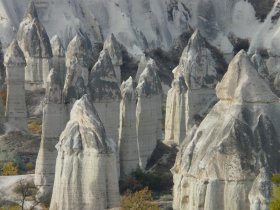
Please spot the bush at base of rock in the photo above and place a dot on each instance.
(10, 169)
(35, 127)
(140, 200)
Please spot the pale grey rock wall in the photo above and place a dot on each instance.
(16, 112)
(86, 173)
(54, 121)
(218, 167)
(129, 158)
(148, 112)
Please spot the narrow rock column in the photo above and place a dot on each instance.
(16, 112)
(86, 174)
(175, 120)
(129, 159)
(58, 60)
(54, 121)
(148, 112)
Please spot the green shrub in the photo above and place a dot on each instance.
(35, 127)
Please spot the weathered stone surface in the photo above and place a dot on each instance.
(16, 112)
(129, 159)
(86, 173)
(35, 44)
(58, 60)
(202, 67)
(54, 121)
(105, 91)
(78, 63)
(175, 120)
(141, 66)
(115, 51)
(148, 112)
(260, 64)
(218, 167)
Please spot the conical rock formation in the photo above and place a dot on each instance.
(78, 63)
(86, 173)
(58, 60)
(35, 44)
(148, 112)
(16, 111)
(54, 121)
(105, 91)
(115, 51)
(216, 168)
(129, 159)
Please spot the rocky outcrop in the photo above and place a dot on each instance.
(105, 91)
(129, 159)
(78, 63)
(35, 44)
(58, 60)
(202, 67)
(260, 64)
(114, 49)
(86, 173)
(141, 66)
(148, 112)
(175, 120)
(54, 121)
(219, 167)
(16, 112)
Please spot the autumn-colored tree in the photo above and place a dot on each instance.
(140, 200)
(10, 169)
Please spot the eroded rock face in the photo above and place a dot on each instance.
(16, 112)
(58, 60)
(86, 173)
(35, 44)
(105, 91)
(218, 167)
(175, 120)
(129, 158)
(115, 51)
(78, 63)
(148, 112)
(54, 121)
(202, 67)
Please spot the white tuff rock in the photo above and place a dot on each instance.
(105, 91)
(54, 121)
(35, 44)
(16, 112)
(78, 63)
(129, 159)
(218, 167)
(58, 60)
(115, 51)
(148, 112)
(86, 173)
